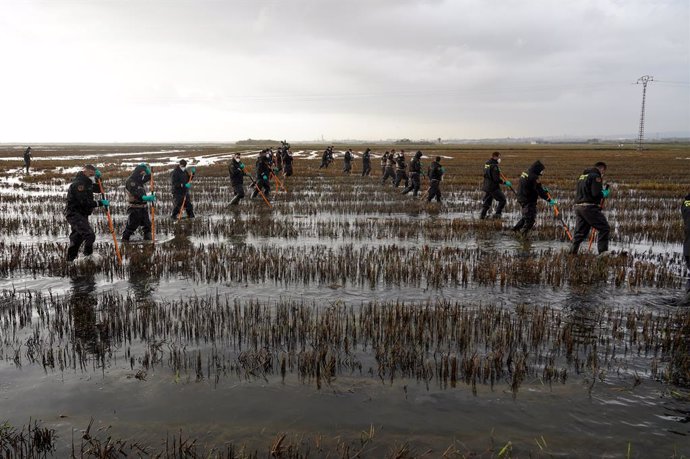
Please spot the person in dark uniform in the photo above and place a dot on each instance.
(686, 244)
(138, 199)
(401, 170)
(80, 205)
(179, 182)
(389, 170)
(279, 161)
(384, 162)
(415, 174)
(347, 162)
(326, 158)
(263, 172)
(590, 194)
(435, 173)
(287, 161)
(27, 159)
(366, 163)
(529, 190)
(492, 186)
(236, 170)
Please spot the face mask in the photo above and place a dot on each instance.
(499, 160)
(184, 168)
(92, 178)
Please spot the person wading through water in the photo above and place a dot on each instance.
(138, 209)
(236, 170)
(180, 179)
(366, 163)
(531, 189)
(80, 205)
(415, 174)
(492, 187)
(590, 193)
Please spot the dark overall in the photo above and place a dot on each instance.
(366, 163)
(80, 205)
(435, 176)
(235, 168)
(263, 172)
(401, 172)
(415, 176)
(529, 190)
(588, 212)
(492, 189)
(138, 209)
(178, 180)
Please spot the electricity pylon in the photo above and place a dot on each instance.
(644, 80)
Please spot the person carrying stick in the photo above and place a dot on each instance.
(180, 179)
(80, 205)
(138, 199)
(588, 214)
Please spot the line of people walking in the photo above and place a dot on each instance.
(590, 194)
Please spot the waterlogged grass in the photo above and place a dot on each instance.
(479, 322)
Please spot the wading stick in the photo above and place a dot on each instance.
(110, 224)
(279, 184)
(503, 177)
(184, 199)
(153, 210)
(256, 185)
(559, 217)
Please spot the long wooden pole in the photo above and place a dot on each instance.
(184, 199)
(110, 224)
(153, 210)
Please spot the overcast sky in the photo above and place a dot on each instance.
(200, 70)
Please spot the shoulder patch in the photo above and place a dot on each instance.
(80, 188)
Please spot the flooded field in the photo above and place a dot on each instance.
(347, 320)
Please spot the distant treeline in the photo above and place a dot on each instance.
(257, 142)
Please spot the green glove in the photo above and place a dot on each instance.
(148, 169)
(149, 198)
(241, 166)
(508, 183)
(98, 174)
(443, 169)
(193, 169)
(276, 170)
(606, 193)
(104, 202)
(553, 202)
(188, 185)
(545, 189)
(264, 177)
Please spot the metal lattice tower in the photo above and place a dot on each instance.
(644, 80)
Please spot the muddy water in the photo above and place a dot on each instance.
(622, 406)
(572, 422)
(576, 419)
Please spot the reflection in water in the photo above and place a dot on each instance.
(143, 276)
(583, 306)
(84, 302)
